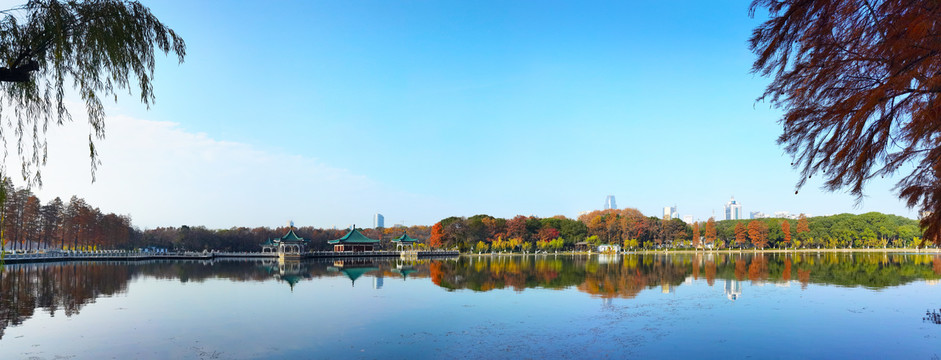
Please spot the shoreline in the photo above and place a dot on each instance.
(723, 251)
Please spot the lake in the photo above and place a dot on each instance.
(805, 305)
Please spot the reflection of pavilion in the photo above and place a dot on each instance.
(733, 289)
(353, 269)
(291, 272)
(404, 270)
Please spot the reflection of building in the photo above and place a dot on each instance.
(667, 288)
(353, 269)
(377, 282)
(733, 210)
(733, 289)
(609, 203)
(291, 272)
(608, 258)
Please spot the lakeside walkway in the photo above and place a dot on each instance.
(119, 255)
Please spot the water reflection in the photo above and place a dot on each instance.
(64, 288)
(628, 275)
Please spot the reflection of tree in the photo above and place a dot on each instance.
(24, 288)
(758, 269)
(710, 273)
(626, 278)
(70, 286)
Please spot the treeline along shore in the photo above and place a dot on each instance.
(631, 230)
(30, 225)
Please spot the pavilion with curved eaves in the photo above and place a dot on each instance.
(290, 244)
(354, 241)
(404, 241)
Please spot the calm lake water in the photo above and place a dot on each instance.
(809, 305)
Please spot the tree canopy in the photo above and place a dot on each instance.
(101, 46)
(859, 83)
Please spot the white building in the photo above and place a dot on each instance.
(378, 221)
(609, 203)
(669, 212)
(733, 210)
(688, 219)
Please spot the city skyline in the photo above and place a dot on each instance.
(478, 119)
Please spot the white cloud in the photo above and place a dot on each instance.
(162, 175)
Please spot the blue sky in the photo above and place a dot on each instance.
(325, 112)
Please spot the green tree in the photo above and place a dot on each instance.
(101, 47)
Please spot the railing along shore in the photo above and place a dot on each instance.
(12, 258)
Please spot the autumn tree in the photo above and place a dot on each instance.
(758, 233)
(786, 229)
(803, 227)
(710, 232)
(696, 235)
(436, 234)
(860, 88)
(740, 233)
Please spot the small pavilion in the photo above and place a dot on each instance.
(404, 241)
(269, 247)
(354, 241)
(289, 244)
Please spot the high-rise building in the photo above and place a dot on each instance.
(378, 221)
(609, 203)
(733, 210)
(669, 212)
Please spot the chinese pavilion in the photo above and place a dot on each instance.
(288, 246)
(404, 241)
(354, 241)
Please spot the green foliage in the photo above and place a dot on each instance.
(594, 240)
(101, 47)
(837, 231)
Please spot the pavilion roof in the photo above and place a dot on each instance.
(290, 237)
(405, 239)
(353, 237)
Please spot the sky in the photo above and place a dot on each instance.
(326, 112)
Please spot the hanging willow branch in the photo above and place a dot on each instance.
(100, 46)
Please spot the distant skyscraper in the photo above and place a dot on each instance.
(609, 203)
(733, 210)
(669, 212)
(378, 221)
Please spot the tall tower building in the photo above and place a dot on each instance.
(669, 212)
(733, 210)
(378, 221)
(609, 203)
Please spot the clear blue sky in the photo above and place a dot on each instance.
(328, 111)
